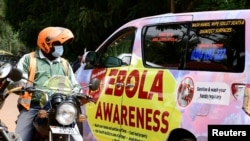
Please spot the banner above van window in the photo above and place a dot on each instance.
(199, 45)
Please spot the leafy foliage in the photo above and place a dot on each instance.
(8, 39)
(94, 21)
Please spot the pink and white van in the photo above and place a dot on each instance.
(171, 77)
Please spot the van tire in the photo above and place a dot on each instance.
(181, 134)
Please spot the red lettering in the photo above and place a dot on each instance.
(157, 86)
(164, 116)
(124, 115)
(111, 82)
(148, 118)
(131, 116)
(116, 115)
(107, 111)
(156, 120)
(120, 80)
(119, 83)
(130, 92)
(98, 113)
(140, 118)
(143, 94)
(165, 34)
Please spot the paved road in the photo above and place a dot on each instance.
(8, 113)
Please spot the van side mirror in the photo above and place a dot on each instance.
(90, 57)
(94, 84)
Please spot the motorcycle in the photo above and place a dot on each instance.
(7, 74)
(61, 116)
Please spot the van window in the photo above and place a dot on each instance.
(201, 45)
(119, 47)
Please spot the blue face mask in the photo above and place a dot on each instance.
(58, 51)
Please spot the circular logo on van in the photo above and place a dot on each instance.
(185, 92)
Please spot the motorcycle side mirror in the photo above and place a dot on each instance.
(7, 70)
(94, 84)
(15, 74)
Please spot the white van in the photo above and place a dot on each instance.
(171, 77)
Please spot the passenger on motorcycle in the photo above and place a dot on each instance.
(48, 63)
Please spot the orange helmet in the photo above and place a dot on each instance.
(50, 35)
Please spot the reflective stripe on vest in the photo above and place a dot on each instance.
(25, 99)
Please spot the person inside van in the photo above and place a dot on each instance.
(77, 63)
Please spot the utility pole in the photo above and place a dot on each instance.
(172, 6)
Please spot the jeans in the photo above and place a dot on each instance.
(24, 126)
(26, 129)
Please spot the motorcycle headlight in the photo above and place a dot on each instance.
(66, 113)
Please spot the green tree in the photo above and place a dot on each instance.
(8, 39)
(94, 21)
(91, 21)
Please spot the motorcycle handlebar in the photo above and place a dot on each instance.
(22, 90)
(85, 97)
(8, 71)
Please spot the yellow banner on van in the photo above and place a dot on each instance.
(136, 101)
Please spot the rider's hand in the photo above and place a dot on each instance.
(15, 85)
(85, 101)
(42, 114)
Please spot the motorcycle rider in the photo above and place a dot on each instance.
(49, 63)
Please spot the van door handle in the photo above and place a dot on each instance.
(119, 84)
(130, 85)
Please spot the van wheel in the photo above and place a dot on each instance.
(181, 134)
